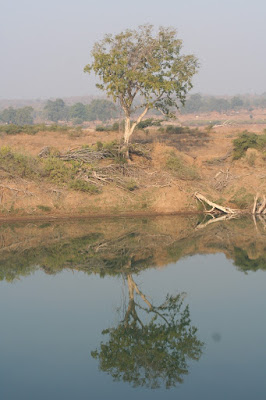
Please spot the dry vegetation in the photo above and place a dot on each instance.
(73, 172)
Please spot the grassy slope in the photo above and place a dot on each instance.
(161, 179)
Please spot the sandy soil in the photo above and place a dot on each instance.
(222, 180)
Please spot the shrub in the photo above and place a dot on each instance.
(148, 122)
(44, 208)
(246, 141)
(175, 129)
(12, 129)
(177, 165)
(19, 165)
(242, 198)
(84, 186)
(131, 185)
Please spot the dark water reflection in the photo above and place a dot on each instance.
(185, 330)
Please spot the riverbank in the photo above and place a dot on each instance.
(85, 176)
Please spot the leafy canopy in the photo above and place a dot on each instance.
(139, 63)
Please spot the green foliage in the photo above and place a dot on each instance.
(177, 165)
(140, 63)
(56, 110)
(242, 198)
(101, 110)
(171, 129)
(78, 112)
(19, 165)
(131, 185)
(51, 169)
(44, 208)
(20, 116)
(33, 129)
(236, 102)
(84, 186)
(247, 141)
(101, 128)
(197, 103)
(58, 171)
(148, 122)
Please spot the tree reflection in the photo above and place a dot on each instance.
(151, 346)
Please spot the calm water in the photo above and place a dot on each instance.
(149, 308)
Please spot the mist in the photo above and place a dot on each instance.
(45, 45)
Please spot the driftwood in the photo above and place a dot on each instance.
(215, 208)
(259, 207)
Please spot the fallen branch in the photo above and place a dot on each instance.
(215, 207)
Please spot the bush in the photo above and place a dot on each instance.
(84, 186)
(12, 129)
(19, 165)
(177, 165)
(175, 129)
(148, 122)
(131, 185)
(248, 141)
(242, 198)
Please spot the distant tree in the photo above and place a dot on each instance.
(101, 110)
(56, 110)
(8, 115)
(193, 104)
(138, 63)
(24, 116)
(152, 350)
(78, 112)
(216, 104)
(20, 116)
(236, 102)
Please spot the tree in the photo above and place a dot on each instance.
(24, 116)
(193, 104)
(8, 115)
(236, 102)
(102, 110)
(56, 110)
(20, 116)
(78, 112)
(151, 350)
(138, 64)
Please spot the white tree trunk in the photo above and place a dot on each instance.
(127, 133)
(130, 129)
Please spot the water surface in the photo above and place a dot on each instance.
(150, 308)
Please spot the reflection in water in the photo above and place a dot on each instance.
(151, 349)
(115, 246)
(155, 343)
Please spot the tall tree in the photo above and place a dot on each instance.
(145, 65)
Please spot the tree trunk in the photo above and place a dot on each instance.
(130, 129)
(127, 133)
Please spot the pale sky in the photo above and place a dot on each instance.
(45, 44)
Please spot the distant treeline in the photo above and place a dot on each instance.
(104, 110)
(57, 110)
(196, 103)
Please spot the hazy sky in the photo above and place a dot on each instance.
(44, 44)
